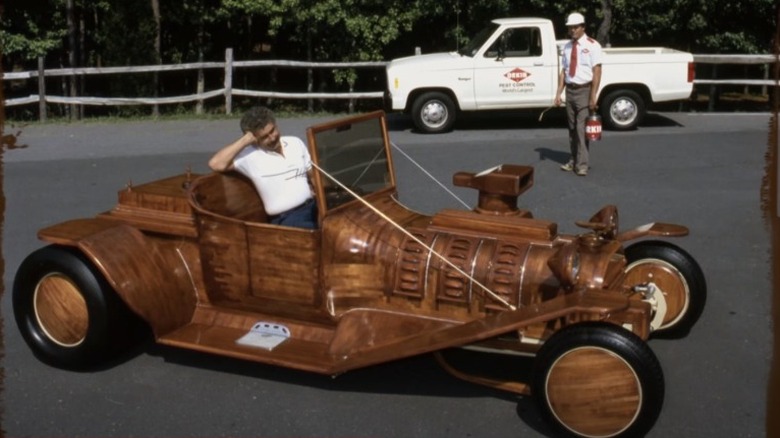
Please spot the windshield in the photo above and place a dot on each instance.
(354, 153)
(479, 39)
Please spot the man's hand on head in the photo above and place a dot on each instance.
(248, 138)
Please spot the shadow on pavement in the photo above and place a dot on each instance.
(554, 118)
(656, 120)
(560, 157)
(419, 375)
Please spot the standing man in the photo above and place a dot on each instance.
(278, 166)
(581, 75)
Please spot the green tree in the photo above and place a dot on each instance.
(35, 30)
(702, 26)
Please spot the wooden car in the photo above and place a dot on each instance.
(194, 259)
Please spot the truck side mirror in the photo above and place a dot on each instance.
(503, 41)
(501, 51)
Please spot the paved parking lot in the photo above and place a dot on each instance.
(703, 171)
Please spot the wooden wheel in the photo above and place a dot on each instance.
(676, 275)
(61, 310)
(598, 380)
(65, 310)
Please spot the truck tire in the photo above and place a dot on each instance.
(595, 379)
(677, 274)
(67, 312)
(622, 110)
(433, 112)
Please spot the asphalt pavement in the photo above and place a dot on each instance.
(700, 170)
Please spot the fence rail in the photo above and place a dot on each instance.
(229, 65)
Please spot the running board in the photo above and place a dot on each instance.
(230, 333)
(362, 337)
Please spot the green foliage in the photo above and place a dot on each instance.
(127, 33)
(122, 32)
(35, 30)
(700, 26)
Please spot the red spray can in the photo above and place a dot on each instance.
(593, 127)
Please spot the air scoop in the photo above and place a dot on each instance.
(499, 187)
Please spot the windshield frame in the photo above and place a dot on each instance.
(335, 146)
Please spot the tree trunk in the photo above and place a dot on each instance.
(157, 53)
(602, 36)
(82, 61)
(72, 55)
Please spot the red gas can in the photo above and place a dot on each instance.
(593, 127)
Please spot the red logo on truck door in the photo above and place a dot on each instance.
(517, 75)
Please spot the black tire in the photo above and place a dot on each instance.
(622, 110)
(678, 276)
(434, 112)
(596, 379)
(66, 311)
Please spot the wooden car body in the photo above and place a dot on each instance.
(196, 259)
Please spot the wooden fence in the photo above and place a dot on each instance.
(228, 91)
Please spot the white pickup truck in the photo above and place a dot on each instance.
(514, 63)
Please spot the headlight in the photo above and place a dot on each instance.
(565, 264)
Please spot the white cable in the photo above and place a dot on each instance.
(411, 236)
(429, 175)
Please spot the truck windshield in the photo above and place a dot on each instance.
(478, 41)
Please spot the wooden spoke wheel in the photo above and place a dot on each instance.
(66, 311)
(598, 380)
(677, 276)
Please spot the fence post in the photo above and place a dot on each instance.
(766, 77)
(228, 80)
(200, 87)
(310, 88)
(41, 91)
(713, 90)
(351, 101)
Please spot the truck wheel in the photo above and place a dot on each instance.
(433, 112)
(622, 110)
(598, 380)
(66, 311)
(679, 278)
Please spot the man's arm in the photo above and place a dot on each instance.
(594, 89)
(559, 91)
(223, 159)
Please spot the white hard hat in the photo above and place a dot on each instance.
(575, 19)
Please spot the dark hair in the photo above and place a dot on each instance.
(257, 117)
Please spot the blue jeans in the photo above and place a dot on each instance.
(302, 216)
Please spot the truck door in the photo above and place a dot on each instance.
(514, 71)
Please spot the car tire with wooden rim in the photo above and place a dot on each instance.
(433, 112)
(597, 379)
(67, 312)
(679, 278)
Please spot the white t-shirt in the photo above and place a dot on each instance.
(588, 56)
(281, 180)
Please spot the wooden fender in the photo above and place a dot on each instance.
(154, 280)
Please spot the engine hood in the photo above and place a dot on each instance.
(431, 62)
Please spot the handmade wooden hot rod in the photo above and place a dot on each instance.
(194, 258)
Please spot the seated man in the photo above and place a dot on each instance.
(278, 166)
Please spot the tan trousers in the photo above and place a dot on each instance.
(576, 114)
